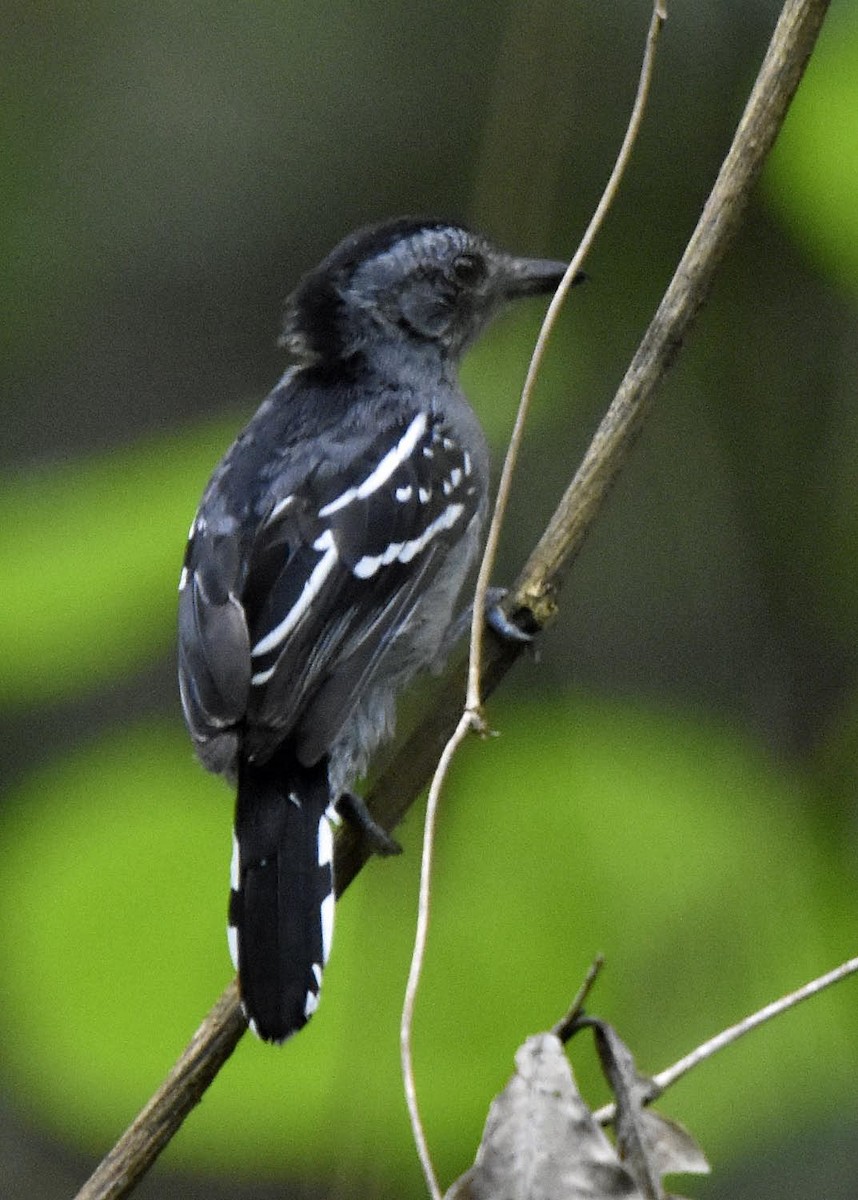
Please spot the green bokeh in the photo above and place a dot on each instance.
(811, 178)
(157, 205)
(85, 552)
(673, 847)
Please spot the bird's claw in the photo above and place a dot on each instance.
(500, 622)
(354, 810)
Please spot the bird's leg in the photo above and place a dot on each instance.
(354, 810)
(496, 619)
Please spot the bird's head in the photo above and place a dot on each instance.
(409, 282)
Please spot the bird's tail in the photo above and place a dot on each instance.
(281, 909)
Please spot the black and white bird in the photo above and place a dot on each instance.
(323, 566)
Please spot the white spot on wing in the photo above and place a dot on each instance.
(313, 585)
(403, 494)
(447, 520)
(317, 973)
(391, 461)
(280, 507)
(341, 501)
(183, 579)
(367, 566)
(424, 495)
(404, 552)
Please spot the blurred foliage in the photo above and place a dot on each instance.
(95, 605)
(812, 174)
(169, 175)
(658, 840)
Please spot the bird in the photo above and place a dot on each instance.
(323, 569)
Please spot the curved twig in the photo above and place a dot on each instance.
(472, 719)
(659, 16)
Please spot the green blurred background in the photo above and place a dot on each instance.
(675, 784)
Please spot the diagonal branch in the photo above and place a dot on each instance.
(473, 699)
(534, 594)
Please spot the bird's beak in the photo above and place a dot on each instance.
(533, 276)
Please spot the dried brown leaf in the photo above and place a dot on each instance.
(540, 1141)
(649, 1145)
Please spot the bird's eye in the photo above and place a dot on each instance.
(468, 269)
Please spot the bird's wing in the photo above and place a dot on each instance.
(332, 576)
(350, 560)
(214, 642)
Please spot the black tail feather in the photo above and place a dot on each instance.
(282, 898)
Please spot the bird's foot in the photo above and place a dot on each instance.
(499, 622)
(354, 810)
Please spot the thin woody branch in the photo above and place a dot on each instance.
(790, 48)
(727, 1037)
(536, 588)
